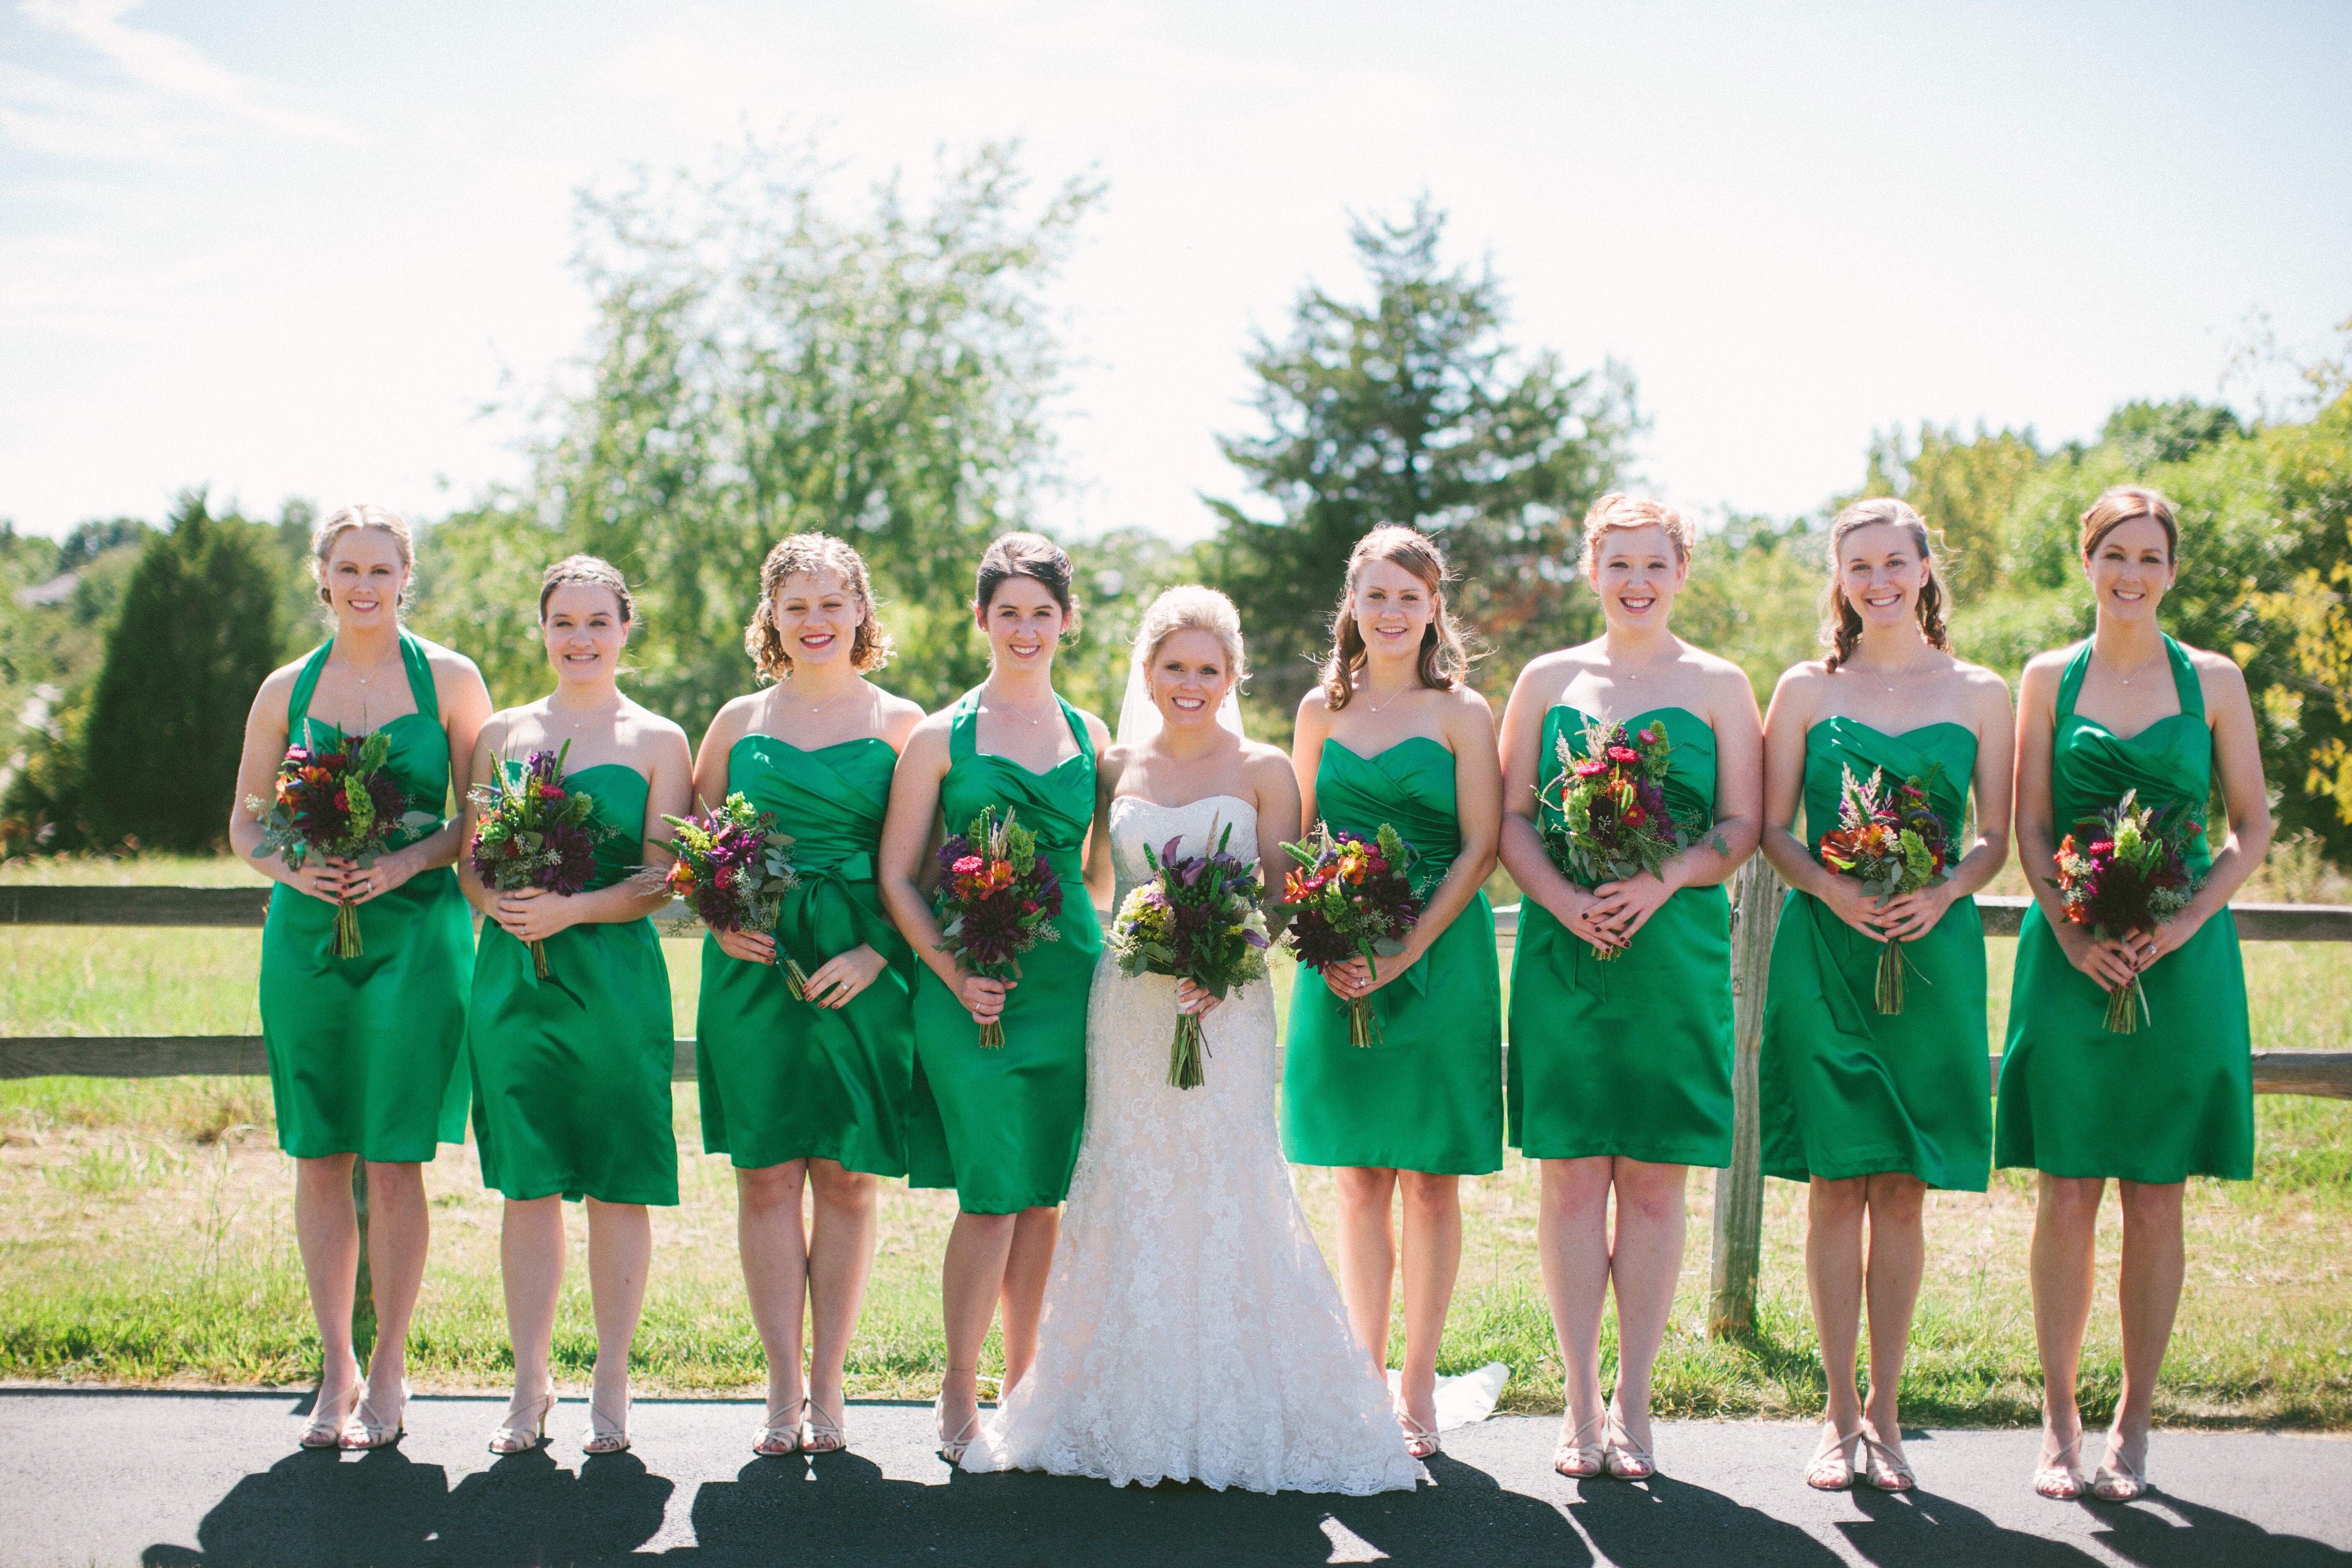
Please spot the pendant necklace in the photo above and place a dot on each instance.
(2137, 669)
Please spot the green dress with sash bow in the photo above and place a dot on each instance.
(1427, 1094)
(1001, 1125)
(1632, 1056)
(572, 1073)
(365, 1052)
(782, 1080)
(2174, 1100)
(1843, 1089)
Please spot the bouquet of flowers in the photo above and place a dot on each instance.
(533, 833)
(1350, 896)
(1891, 844)
(998, 899)
(1612, 803)
(2133, 876)
(337, 802)
(1198, 918)
(735, 868)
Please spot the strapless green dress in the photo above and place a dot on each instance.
(1002, 1126)
(1631, 1056)
(365, 1052)
(2174, 1100)
(1844, 1090)
(572, 1073)
(1428, 1094)
(781, 1080)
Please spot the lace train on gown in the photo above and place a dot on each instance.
(1192, 1330)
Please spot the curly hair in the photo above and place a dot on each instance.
(589, 569)
(869, 646)
(1841, 622)
(1445, 659)
(1618, 511)
(361, 514)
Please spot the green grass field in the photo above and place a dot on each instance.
(146, 1234)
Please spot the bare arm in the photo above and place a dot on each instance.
(1275, 789)
(1519, 841)
(481, 769)
(2237, 768)
(908, 834)
(1479, 807)
(1100, 870)
(710, 761)
(1791, 714)
(1306, 738)
(1915, 914)
(257, 778)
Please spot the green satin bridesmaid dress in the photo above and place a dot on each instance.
(1628, 1056)
(365, 1052)
(1428, 1094)
(1844, 1090)
(2174, 1100)
(781, 1080)
(1001, 1126)
(572, 1073)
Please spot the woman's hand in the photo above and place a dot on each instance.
(533, 914)
(373, 881)
(1863, 911)
(750, 946)
(1587, 918)
(1908, 917)
(1190, 998)
(2103, 959)
(839, 979)
(982, 997)
(321, 877)
(1621, 908)
(2143, 948)
(1357, 978)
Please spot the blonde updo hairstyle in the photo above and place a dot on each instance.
(1191, 608)
(1617, 511)
(362, 514)
(1445, 659)
(1841, 622)
(869, 646)
(2120, 505)
(594, 570)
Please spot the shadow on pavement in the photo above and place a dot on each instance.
(1919, 1530)
(1672, 1523)
(2206, 1538)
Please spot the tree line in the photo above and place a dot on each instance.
(760, 363)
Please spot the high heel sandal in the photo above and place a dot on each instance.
(1883, 1464)
(606, 1436)
(819, 1435)
(522, 1431)
(1418, 1440)
(2060, 1479)
(2117, 1480)
(776, 1436)
(1574, 1457)
(366, 1432)
(1620, 1457)
(1830, 1470)
(326, 1429)
(951, 1449)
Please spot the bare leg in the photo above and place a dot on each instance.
(972, 1276)
(1367, 1257)
(1432, 1256)
(2065, 1248)
(531, 1261)
(1027, 1268)
(1573, 1244)
(840, 1259)
(1898, 1257)
(620, 1256)
(400, 1228)
(326, 1231)
(775, 1275)
(2153, 1262)
(1646, 1261)
(1833, 1211)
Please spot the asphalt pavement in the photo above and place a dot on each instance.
(107, 1478)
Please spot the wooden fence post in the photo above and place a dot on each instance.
(363, 1293)
(1740, 1190)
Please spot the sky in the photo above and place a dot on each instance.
(293, 250)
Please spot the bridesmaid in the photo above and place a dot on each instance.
(572, 1073)
(808, 1092)
(1873, 1109)
(2129, 709)
(1394, 735)
(364, 1051)
(1598, 1115)
(1002, 1126)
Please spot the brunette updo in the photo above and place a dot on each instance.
(1445, 659)
(2120, 504)
(1841, 622)
(869, 646)
(1618, 511)
(587, 569)
(361, 514)
(1031, 555)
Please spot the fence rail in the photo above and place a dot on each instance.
(1739, 1191)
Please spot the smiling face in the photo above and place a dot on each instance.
(1637, 573)
(364, 578)
(1023, 622)
(2130, 569)
(584, 632)
(817, 615)
(1881, 570)
(1189, 677)
(1392, 608)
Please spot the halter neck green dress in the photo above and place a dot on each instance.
(572, 1073)
(1001, 1126)
(782, 1080)
(2176, 1098)
(1628, 1056)
(1844, 1091)
(364, 1052)
(1428, 1094)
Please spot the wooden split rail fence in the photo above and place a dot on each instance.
(1739, 1191)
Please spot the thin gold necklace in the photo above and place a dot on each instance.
(998, 704)
(1895, 683)
(2138, 669)
(374, 669)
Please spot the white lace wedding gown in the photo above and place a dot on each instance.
(1192, 1329)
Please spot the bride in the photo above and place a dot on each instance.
(1191, 1330)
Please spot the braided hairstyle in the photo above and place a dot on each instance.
(1841, 622)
